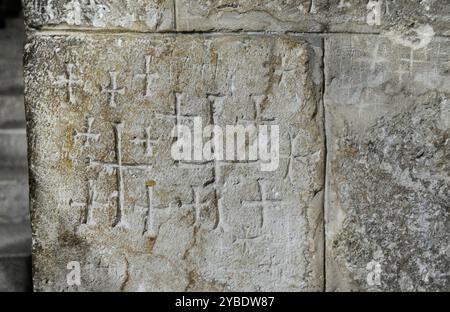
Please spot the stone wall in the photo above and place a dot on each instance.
(15, 230)
(358, 88)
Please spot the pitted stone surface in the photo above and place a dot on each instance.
(388, 126)
(348, 16)
(107, 193)
(360, 16)
(145, 15)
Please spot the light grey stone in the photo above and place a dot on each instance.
(145, 15)
(132, 216)
(388, 169)
(348, 16)
(12, 112)
(246, 15)
(15, 274)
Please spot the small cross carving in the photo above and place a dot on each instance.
(113, 89)
(265, 201)
(119, 167)
(69, 80)
(88, 136)
(89, 206)
(147, 75)
(146, 141)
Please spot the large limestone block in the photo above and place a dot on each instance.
(107, 193)
(141, 15)
(388, 171)
(312, 15)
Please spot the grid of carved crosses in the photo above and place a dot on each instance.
(108, 193)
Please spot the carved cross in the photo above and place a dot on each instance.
(70, 80)
(119, 168)
(88, 136)
(89, 206)
(147, 75)
(146, 141)
(113, 90)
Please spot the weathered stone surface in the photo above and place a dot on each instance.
(146, 15)
(312, 15)
(15, 274)
(134, 218)
(388, 171)
(198, 15)
(246, 15)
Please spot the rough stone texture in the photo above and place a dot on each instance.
(388, 172)
(136, 219)
(13, 273)
(106, 192)
(251, 15)
(312, 15)
(147, 15)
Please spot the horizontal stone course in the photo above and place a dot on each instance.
(146, 15)
(349, 16)
(358, 16)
